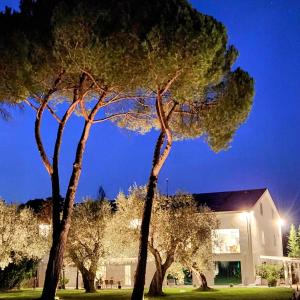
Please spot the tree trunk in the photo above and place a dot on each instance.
(201, 279)
(60, 236)
(139, 282)
(88, 278)
(204, 285)
(62, 224)
(156, 285)
(158, 161)
(88, 275)
(54, 266)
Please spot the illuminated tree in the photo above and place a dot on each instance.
(86, 246)
(19, 235)
(198, 258)
(178, 228)
(293, 245)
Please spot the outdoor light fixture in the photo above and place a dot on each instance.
(280, 222)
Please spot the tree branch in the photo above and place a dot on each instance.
(125, 114)
(93, 80)
(31, 105)
(58, 141)
(38, 138)
(170, 82)
(76, 170)
(37, 126)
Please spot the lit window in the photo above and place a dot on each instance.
(226, 241)
(261, 209)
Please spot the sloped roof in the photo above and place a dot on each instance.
(230, 201)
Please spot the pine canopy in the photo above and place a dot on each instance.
(132, 48)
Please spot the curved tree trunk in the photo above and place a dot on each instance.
(60, 238)
(139, 282)
(158, 161)
(201, 279)
(88, 275)
(54, 265)
(204, 285)
(156, 284)
(88, 279)
(61, 227)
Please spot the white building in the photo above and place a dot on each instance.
(250, 228)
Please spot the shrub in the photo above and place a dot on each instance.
(270, 272)
(13, 275)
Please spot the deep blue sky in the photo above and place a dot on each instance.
(265, 151)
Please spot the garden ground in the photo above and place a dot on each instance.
(171, 294)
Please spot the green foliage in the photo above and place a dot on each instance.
(293, 245)
(86, 244)
(20, 235)
(131, 47)
(13, 275)
(270, 272)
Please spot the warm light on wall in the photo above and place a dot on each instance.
(246, 215)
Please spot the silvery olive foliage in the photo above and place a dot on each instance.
(86, 244)
(180, 229)
(20, 236)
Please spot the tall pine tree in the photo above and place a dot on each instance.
(293, 243)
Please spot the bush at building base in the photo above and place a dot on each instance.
(271, 272)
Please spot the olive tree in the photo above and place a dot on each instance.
(179, 227)
(20, 236)
(86, 245)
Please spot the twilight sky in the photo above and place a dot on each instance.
(265, 151)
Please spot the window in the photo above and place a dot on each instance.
(226, 241)
(228, 272)
(261, 209)
(272, 213)
(263, 237)
(127, 275)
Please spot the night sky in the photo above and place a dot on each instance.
(265, 151)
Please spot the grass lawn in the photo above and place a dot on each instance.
(171, 294)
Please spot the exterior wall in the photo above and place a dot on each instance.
(267, 223)
(116, 272)
(251, 224)
(70, 274)
(237, 220)
(41, 272)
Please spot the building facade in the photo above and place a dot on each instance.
(249, 228)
